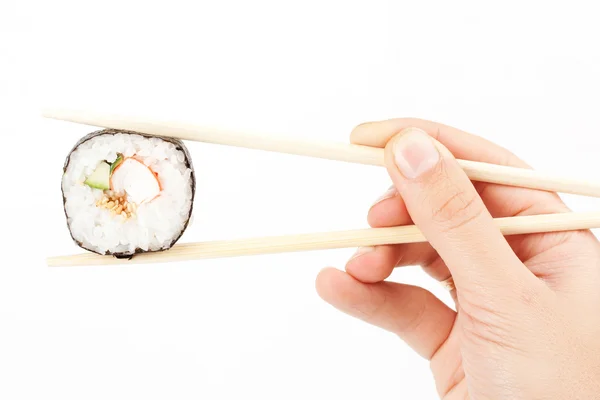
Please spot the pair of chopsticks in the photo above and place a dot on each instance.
(476, 171)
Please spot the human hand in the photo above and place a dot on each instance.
(527, 324)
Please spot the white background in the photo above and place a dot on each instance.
(524, 74)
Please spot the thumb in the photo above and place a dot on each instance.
(444, 204)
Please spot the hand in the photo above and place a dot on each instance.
(527, 324)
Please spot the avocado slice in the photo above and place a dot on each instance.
(100, 178)
(116, 163)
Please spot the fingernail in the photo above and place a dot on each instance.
(391, 192)
(361, 251)
(415, 153)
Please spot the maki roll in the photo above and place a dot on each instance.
(126, 193)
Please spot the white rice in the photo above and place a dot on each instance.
(157, 222)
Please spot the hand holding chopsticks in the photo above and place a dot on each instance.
(476, 171)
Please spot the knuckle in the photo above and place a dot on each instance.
(454, 207)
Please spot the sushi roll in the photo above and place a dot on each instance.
(126, 193)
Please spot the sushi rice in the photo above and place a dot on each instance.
(157, 223)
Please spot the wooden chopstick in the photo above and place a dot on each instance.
(476, 171)
(328, 240)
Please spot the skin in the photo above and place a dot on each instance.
(527, 320)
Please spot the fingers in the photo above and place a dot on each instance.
(388, 210)
(461, 144)
(380, 263)
(412, 313)
(374, 264)
(442, 201)
(500, 200)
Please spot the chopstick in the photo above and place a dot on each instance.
(327, 240)
(476, 171)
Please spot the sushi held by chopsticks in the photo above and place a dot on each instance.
(130, 189)
(126, 193)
